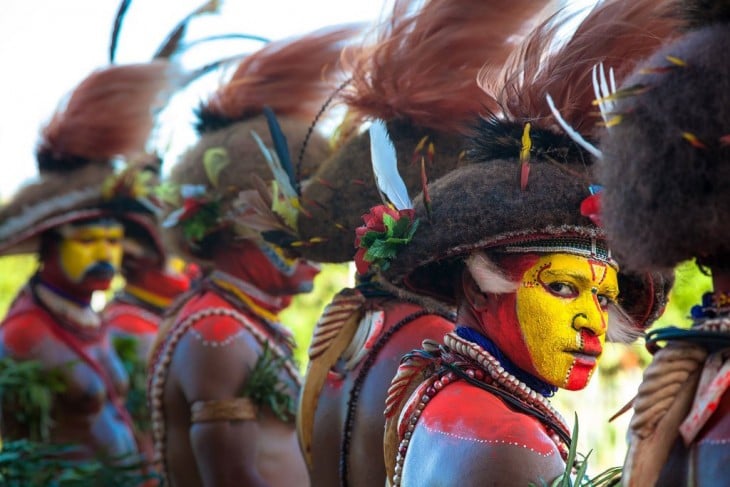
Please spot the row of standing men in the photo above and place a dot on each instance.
(474, 301)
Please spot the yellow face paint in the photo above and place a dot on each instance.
(84, 246)
(561, 307)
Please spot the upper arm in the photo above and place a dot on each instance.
(207, 368)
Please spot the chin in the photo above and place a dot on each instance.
(579, 376)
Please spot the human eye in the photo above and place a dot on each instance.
(562, 289)
(604, 300)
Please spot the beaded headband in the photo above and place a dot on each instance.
(591, 248)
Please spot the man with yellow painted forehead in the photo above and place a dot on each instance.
(75, 218)
(512, 241)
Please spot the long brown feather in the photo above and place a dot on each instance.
(291, 76)
(425, 62)
(109, 114)
(618, 33)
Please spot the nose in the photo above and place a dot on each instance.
(103, 251)
(593, 322)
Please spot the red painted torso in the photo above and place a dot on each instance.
(356, 388)
(84, 413)
(467, 436)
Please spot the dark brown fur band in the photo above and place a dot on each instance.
(667, 194)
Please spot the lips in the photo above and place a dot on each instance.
(590, 349)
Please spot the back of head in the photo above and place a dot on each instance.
(292, 78)
(665, 164)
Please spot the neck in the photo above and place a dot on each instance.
(243, 260)
(65, 289)
(154, 287)
(252, 297)
(475, 336)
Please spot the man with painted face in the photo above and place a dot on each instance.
(74, 217)
(223, 386)
(514, 242)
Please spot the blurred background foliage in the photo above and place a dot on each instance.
(614, 384)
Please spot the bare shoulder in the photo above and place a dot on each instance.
(212, 358)
(466, 435)
(23, 335)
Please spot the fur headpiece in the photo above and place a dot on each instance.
(290, 77)
(529, 183)
(419, 77)
(108, 116)
(666, 165)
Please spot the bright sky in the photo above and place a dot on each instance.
(48, 46)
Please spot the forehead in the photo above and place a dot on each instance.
(99, 228)
(560, 264)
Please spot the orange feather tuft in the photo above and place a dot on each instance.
(618, 33)
(110, 113)
(424, 64)
(292, 77)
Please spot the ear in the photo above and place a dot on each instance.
(474, 296)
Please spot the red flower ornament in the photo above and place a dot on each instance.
(385, 232)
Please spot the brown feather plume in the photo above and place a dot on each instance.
(109, 114)
(291, 77)
(618, 33)
(424, 64)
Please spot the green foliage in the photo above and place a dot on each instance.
(27, 392)
(689, 286)
(25, 463)
(15, 271)
(576, 468)
(127, 349)
(382, 247)
(199, 224)
(265, 388)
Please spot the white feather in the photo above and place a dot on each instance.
(280, 175)
(572, 133)
(385, 167)
(603, 88)
(621, 328)
(488, 276)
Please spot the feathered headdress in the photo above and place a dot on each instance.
(419, 77)
(108, 116)
(529, 182)
(222, 182)
(665, 163)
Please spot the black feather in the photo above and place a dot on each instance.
(497, 139)
(281, 146)
(118, 20)
(702, 13)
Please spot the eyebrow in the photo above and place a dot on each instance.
(582, 279)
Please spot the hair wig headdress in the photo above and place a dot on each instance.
(419, 77)
(528, 187)
(666, 163)
(108, 116)
(220, 186)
